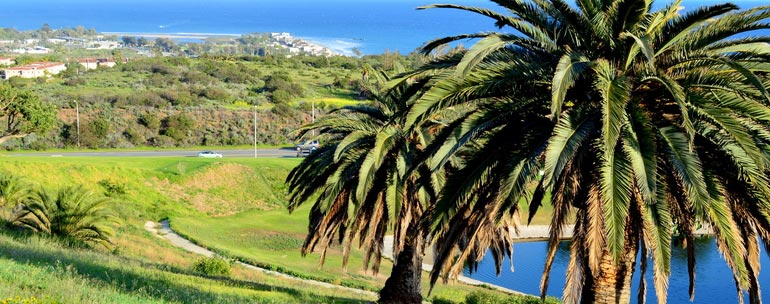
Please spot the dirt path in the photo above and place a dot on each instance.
(164, 231)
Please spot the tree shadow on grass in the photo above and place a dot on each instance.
(159, 282)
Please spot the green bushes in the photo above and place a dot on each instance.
(113, 188)
(482, 297)
(212, 266)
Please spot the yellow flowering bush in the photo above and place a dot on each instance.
(20, 300)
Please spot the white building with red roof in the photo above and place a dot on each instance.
(6, 61)
(35, 70)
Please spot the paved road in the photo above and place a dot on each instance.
(275, 153)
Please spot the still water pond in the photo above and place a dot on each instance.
(713, 279)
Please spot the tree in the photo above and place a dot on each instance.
(141, 41)
(165, 44)
(129, 41)
(359, 184)
(644, 123)
(22, 113)
(73, 213)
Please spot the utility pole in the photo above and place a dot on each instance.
(312, 114)
(77, 120)
(255, 131)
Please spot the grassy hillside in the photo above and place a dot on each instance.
(173, 101)
(234, 206)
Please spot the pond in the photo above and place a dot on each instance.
(713, 278)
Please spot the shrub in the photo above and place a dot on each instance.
(440, 300)
(162, 141)
(113, 188)
(135, 137)
(215, 93)
(178, 126)
(151, 121)
(75, 81)
(13, 191)
(94, 133)
(20, 300)
(483, 297)
(73, 213)
(212, 266)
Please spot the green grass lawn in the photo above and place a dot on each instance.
(40, 268)
(235, 206)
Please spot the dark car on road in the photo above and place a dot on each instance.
(306, 147)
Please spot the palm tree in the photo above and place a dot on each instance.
(361, 184)
(644, 123)
(13, 191)
(73, 213)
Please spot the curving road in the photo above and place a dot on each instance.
(275, 153)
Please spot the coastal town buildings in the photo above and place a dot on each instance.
(34, 70)
(298, 46)
(6, 61)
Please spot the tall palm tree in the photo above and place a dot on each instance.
(13, 191)
(644, 123)
(73, 213)
(361, 184)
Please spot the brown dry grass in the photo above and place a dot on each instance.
(142, 244)
(219, 190)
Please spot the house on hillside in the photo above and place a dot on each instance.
(103, 45)
(93, 63)
(33, 50)
(35, 70)
(6, 61)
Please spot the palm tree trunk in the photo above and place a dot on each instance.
(403, 285)
(612, 283)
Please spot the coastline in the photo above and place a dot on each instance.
(313, 45)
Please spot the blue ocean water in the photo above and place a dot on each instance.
(373, 26)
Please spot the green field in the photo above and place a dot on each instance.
(235, 206)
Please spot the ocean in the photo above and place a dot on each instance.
(372, 26)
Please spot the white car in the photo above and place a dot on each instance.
(209, 154)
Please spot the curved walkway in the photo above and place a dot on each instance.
(165, 232)
(526, 233)
(534, 232)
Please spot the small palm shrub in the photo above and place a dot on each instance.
(72, 213)
(13, 191)
(212, 266)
